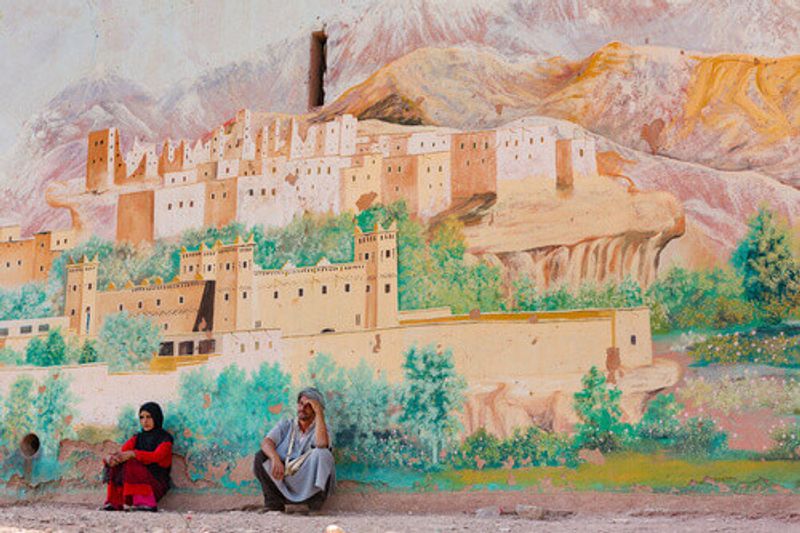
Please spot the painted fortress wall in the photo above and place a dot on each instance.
(553, 353)
(481, 350)
(101, 395)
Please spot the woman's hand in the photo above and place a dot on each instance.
(117, 458)
(127, 456)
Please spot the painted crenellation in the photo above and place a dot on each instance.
(258, 169)
(220, 289)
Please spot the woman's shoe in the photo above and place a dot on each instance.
(110, 507)
(144, 508)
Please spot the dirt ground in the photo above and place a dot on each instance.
(74, 519)
(432, 512)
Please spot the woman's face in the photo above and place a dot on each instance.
(146, 420)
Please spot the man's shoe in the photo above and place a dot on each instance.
(296, 508)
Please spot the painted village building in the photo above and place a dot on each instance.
(287, 168)
(221, 290)
(29, 260)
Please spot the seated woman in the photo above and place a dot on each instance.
(138, 474)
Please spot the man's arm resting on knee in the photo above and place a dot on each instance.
(271, 451)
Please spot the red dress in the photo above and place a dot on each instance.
(136, 482)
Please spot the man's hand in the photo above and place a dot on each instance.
(319, 411)
(277, 470)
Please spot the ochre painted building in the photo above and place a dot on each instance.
(29, 260)
(474, 164)
(220, 289)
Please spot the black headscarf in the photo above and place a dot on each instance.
(148, 441)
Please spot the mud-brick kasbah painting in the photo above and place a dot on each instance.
(516, 244)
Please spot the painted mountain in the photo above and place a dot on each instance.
(719, 132)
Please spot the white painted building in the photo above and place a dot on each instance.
(584, 158)
(426, 142)
(134, 157)
(177, 209)
(526, 152)
(267, 199)
(179, 177)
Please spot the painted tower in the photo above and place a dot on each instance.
(378, 250)
(235, 295)
(104, 163)
(81, 296)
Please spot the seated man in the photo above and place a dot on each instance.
(295, 463)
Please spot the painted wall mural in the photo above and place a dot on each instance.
(516, 244)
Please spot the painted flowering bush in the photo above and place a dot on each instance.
(776, 349)
(787, 442)
(529, 446)
(745, 392)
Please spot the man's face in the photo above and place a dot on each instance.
(304, 409)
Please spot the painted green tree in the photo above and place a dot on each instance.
(18, 414)
(127, 423)
(88, 352)
(46, 409)
(56, 348)
(626, 293)
(433, 396)
(218, 419)
(50, 352)
(127, 342)
(770, 272)
(358, 407)
(53, 410)
(432, 270)
(28, 301)
(598, 408)
(11, 357)
(704, 299)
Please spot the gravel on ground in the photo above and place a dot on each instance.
(75, 518)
